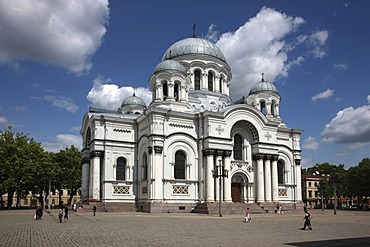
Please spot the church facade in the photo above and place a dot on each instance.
(171, 153)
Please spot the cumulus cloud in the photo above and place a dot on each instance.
(62, 142)
(259, 47)
(62, 33)
(310, 144)
(340, 66)
(3, 121)
(349, 126)
(212, 33)
(323, 95)
(104, 94)
(62, 102)
(368, 99)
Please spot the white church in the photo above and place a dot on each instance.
(192, 145)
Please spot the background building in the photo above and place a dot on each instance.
(163, 157)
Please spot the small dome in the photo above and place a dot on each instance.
(193, 46)
(170, 65)
(133, 100)
(263, 86)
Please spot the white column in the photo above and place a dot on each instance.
(227, 181)
(95, 182)
(209, 178)
(260, 182)
(204, 80)
(158, 173)
(274, 179)
(85, 179)
(298, 180)
(268, 179)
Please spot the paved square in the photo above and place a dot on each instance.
(347, 228)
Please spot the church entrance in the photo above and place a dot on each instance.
(235, 192)
(239, 188)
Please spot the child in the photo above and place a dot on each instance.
(60, 215)
(248, 217)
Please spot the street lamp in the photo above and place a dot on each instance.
(321, 191)
(220, 172)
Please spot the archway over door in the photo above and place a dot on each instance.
(239, 191)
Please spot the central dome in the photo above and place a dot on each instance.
(193, 46)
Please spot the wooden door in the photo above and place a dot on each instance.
(235, 192)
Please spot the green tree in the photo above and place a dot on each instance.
(359, 180)
(69, 166)
(21, 160)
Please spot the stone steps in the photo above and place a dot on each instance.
(227, 208)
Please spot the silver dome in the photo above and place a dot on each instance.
(193, 46)
(170, 65)
(133, 100)
(263, 86)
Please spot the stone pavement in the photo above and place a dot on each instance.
(346, 228)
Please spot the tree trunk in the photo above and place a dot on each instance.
(10, 199)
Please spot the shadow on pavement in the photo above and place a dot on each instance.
(350, 242)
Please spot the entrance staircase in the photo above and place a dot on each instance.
(101, 206)
(227, 208)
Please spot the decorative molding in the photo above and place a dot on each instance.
(227, 153)
(122, 130)
(158, 149)
(181, 126)
(219, 129)
(94, 154)
(208, 152)
(268, 136)
(297, 162)
(85, 160)
(282, 139)
(180, 190)
(121, 190)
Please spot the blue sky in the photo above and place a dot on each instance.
(57, 58)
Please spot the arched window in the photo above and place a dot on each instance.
(197, 80)
(165, 91)
(176, 91)
(210, 81)
(88, 137)
(180, 159)
(281, 172)
(263, 107)
(121, 169)
(220, 83)
(145, 167)
(238, 147)
(273, 105)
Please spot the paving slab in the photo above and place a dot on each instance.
(346, 228)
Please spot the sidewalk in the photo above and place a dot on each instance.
(346, 228)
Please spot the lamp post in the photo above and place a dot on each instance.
(220, 172)
(321, 191)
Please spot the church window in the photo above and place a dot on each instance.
(273, 105)
(281, 172)
(197, 80)
(165, 91)
(88, 137)
(176, 91)
(121, 169)
(220, 83)
(263, 107)
(210, 81)
(145, 167)
(238, 147)
(180, 159)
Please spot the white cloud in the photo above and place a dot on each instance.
(107, 95)
(340, 66)
(63, 33)
(259, 47)
(349, 126)
(62, 102)
(212, 33)
(368, 99)
(63, 141)
(310, 144)
(3, 120)
(323, 95)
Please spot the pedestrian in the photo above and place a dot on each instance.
(307, 220)
(248, 217)
(60, 215)
(66, 213)
(94, 209)
(280, 209)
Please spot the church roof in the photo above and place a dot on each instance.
(171, 65)
(263, 86)
(133, 100)
(193, 46)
